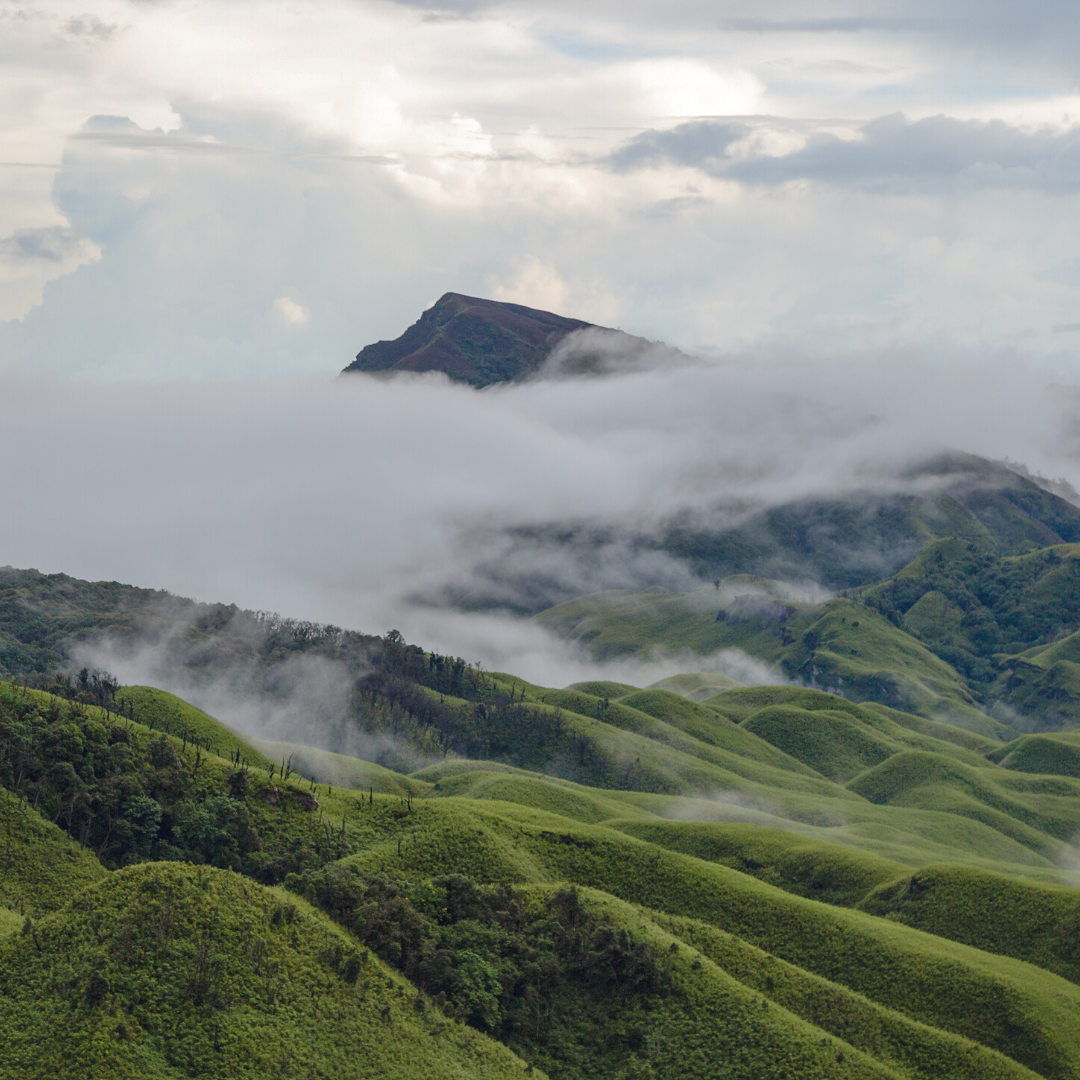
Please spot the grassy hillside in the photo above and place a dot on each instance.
(41, 867)
(1025, 1013)
(839, 646)
(831, 873)
(1056, 755)
(1037, 923)
(174, 971)
(786, 882)
(698, 685)
(337, 769)
(162, 711)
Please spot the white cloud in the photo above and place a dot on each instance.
(378, 154)
(290, 312)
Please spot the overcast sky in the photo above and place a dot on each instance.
(209, 188)
(860, 216)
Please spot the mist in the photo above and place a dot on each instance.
(376, 504)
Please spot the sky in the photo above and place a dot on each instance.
(223, 190)
(858, 219)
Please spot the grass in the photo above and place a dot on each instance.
(41, 867)
(839, 645)
(340, 770)
(742, 904)
(166, 970)
(1036, 923)
(1027, 1014)
(1040, 815)
(163, 711)
(831, 873)
(1055, 755)
(603, 689)
(697, 685)
(902, 1044)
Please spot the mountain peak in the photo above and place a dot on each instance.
(472, 340)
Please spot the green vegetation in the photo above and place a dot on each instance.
(747, 946)
(832, 873)
(1028, 1014)
(869, 876)
(167, 971)
(840, 646)
(41, 867)
(696, 686)
(1057, 755)
(1036, 923)
(162, 711)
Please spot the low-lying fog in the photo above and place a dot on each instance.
(367, 503)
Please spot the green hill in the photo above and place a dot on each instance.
(161, 711)
(785, 948)
(1056, 755)
(1036, 923)
(41, 867)
(870, 875)
(167, 971)
(839, 646)
(698, 685)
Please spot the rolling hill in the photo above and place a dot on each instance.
(782, 883)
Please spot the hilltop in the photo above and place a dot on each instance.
(472, 340)
(481, 342)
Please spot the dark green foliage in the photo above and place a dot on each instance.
(490, 952)
(124, 794)
(969, 604)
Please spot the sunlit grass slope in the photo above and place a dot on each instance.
(340, 770)
(832, 873)
(41, 867)
(779, 968)
(1039, 812)
(1056, 754)
(166, 712)
(696, 685)
(166, 970)
(905, 1046)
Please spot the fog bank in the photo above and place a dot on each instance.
(368, 502)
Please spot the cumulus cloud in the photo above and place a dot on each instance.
(699, 173)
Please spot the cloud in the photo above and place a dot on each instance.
(290, 312)
(889, 155)
(367, 503)
(681, 173)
